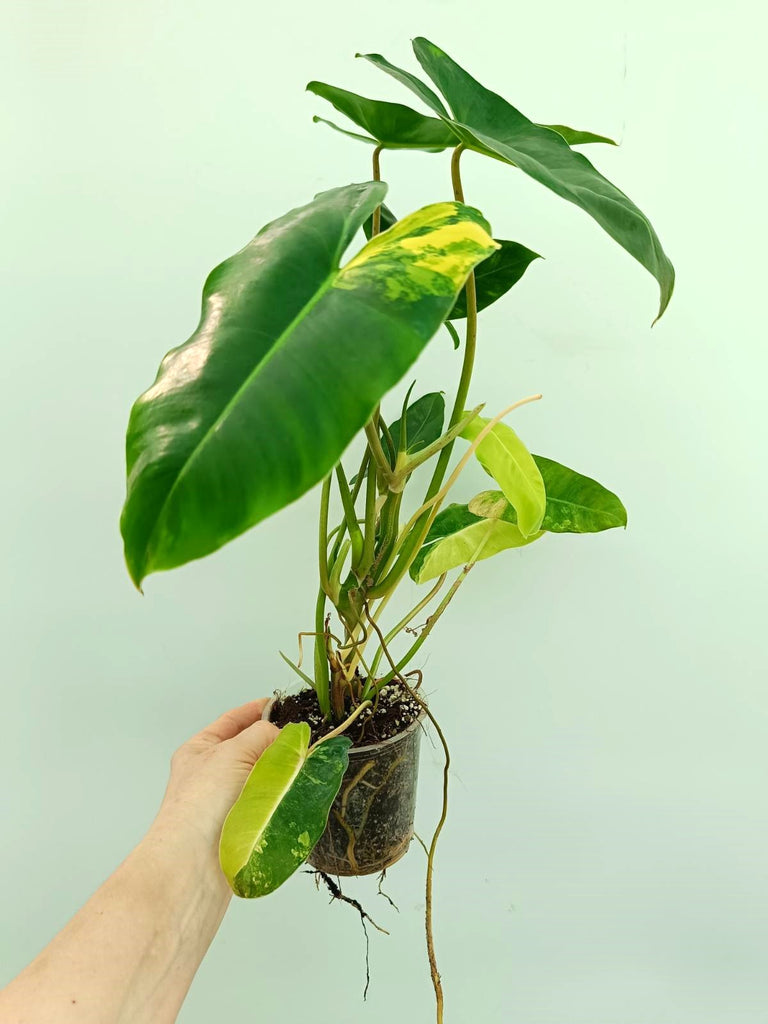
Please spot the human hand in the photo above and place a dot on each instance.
(131, 953)
(208, 773)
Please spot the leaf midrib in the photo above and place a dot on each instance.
(303, 758)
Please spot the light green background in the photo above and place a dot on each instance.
(605, 857)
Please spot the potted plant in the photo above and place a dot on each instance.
(296, 348)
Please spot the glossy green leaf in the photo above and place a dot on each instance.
(458, 537)
(282, 810)
(291, 357)
(496, 275)
(392, 125)
(388, 220)
(489, 124)
(576, 138)
(504, 456)
(575, 503)
(423, 421)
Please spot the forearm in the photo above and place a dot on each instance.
(129, 956)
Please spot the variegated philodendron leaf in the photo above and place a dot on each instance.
(575, 503)
(282, 810)
(504, 456)
(493, 277)
(422, 255)
(291, 356)
(459, 537)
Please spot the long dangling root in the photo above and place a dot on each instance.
(435, 973)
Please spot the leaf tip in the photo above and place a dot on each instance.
(137, 572)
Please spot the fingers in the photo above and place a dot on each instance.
(251, 743)
(232, 723)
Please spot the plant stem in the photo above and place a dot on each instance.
(376, 219)
(325, 498)
(470, 341)
(322, 672)
(408, 552)
(432, 449)
(355, 534)
(369, 541)
(377, 451)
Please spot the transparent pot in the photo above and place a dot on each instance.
(370, 825)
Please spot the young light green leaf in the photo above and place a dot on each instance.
(505, 457)
(424, 422)
(576, 138)
(286, 337)
(496, 275)
(458, 537)
(575, 503)
(282, 810)
(392, 125)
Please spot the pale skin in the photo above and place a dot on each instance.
(129, 956)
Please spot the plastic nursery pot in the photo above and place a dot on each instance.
(370, 825)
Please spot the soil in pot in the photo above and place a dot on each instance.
(370, 825)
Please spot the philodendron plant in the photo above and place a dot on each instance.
(297, 347)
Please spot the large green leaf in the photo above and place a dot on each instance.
(496, 275)
(504, 456)
(575, 503)
(282, 810)
(457, 537)
(424, 420)
(291, 357)
(489, 124)
(391, 125)
(572, 136)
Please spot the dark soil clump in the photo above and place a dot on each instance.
(388, 716)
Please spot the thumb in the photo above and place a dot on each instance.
(250, 744)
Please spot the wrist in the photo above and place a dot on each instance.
(184, 859)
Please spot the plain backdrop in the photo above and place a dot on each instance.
(605, 696)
